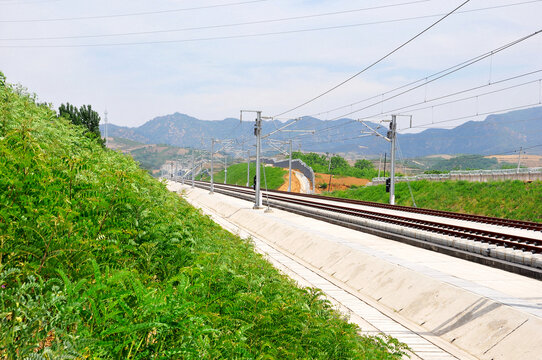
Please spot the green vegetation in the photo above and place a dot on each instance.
(237, 175)
(508, 199)
(98, 260)
(469, 162)
(84, 116)
(363, 169)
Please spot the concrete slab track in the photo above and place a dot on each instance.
(443, 307)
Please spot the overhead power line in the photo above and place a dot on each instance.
(134, 14)
(425, 126)
(374, 63)
(207, 27)
(444, 97)
(227, 37)
(442, 75)
(408, 107)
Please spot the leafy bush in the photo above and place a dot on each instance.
(100, 261)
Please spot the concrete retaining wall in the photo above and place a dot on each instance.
(297, 164)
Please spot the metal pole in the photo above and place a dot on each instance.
(519, 159)
(193, 166)
(385, 161)
(330, 175)
(393, 128)
(225, 168)
(248, 168)
(379, 164)
(258, 133)
(290, 169)
(212, 169)
(106, 141)
(184, 172)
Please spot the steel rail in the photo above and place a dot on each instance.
(520, 224)
(484, 236)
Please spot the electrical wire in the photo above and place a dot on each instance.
(381, 95)
(516, 150)
(474, 115)
(374, 63)
(465, 64)
(257, 22)
(396, 110)
(445, 96)
(231, 37)
(135, 14)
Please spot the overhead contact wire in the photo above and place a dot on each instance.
(374, 63)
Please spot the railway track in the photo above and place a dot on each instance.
(522, 250)
(518, 224)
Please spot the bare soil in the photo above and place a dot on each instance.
(338, 182)
(526, 160)
(296, 186)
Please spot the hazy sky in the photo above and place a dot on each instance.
(86, 52)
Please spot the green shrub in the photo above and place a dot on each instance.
(98, 260)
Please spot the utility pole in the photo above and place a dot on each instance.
(212, 191)
(519, 159)
(385, 160)
(329, 170)
(105, 125)
(274, 143)
(258, 133)
(392, 135)
(184, 172)
(225, 168)
(193, 166)
(248, 168)
(379, 164)
(290, 169)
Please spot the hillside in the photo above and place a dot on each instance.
(496, 134)
(149, 156)
(100, 261)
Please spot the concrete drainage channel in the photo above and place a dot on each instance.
(515, 261)
(440, 306)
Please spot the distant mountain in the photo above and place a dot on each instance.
(496, 134)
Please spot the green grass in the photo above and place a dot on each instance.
(507, 199)
(98, 260)
(237, 175)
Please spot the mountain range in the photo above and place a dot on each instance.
(499, 133)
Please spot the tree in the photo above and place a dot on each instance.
(338, 162)
(84, 116)
(364, 165)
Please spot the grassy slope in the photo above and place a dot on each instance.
(99, 260)
(508, 199)
(237, 175)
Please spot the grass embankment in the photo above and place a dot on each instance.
(237, 175)
(507, 199)
(98, 260)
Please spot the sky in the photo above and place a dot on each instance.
(211, 58)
